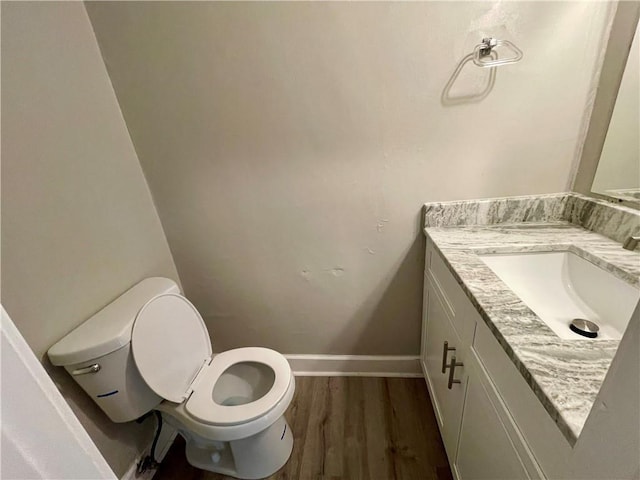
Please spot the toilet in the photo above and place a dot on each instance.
(150, 350)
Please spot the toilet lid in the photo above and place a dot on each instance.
(170, 344)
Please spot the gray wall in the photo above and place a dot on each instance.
(290, 146)
(78, 223)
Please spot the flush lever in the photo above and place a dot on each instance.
(95, 368)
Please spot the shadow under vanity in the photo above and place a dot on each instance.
(512, 398)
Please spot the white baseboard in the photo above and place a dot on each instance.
(354, 365)
(167, 436)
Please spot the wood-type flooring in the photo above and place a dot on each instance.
(350, 428)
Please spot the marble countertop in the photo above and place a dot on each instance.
(566, 375)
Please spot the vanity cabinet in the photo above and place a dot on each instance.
(481, 438)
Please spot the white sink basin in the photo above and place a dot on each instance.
(561, 286)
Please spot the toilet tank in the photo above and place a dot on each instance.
(98, 354)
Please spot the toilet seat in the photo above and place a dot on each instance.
(171, 348)
(176, 415)
(202, 406)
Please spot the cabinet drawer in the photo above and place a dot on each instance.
(455, 300)
(454, 295)
(427, 255)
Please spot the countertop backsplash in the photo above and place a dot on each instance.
(613, 221)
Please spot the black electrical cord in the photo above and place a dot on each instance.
(149, 462)
(155, 439)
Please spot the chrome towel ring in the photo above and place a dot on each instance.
(482, 53)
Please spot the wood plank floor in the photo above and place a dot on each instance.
(350, 428)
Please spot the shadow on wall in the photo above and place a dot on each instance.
(398, 294)
(479, 83)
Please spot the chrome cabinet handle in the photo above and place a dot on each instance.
(445, 348)
(95, 368)
(452, 368)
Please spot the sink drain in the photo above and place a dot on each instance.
(584, 327)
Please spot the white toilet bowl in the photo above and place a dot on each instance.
(150, 349)
(242, 392)
(234, 423)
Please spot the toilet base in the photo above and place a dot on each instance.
(254, 457)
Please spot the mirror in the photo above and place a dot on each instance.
(618, 172)
(609, 163)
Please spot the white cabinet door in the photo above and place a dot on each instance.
(485, 449)
(447, 401)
